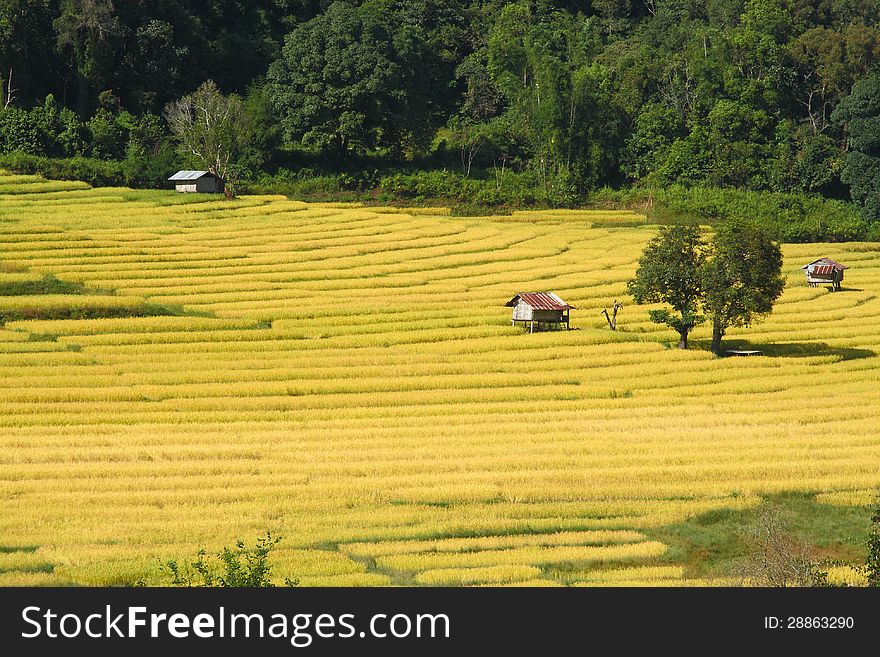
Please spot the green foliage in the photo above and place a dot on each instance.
(55, 143)
(501, 188)
(262, 134)
(95, 172)
(859, 113)
(210, 129)
(545, 101)
(150, 171)
(108, 129)
(655, 130)
(793, 217)
(804, 160)
(347, 80)
(19, 132)
(48, 284)
(669, 272)
(240, 566)
(560, 115)
(734, 281)
(742, 279)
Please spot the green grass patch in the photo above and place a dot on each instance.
(48, 284)
(85, 311)
(50, 301)
(708, 544)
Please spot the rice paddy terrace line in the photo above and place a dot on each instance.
(347, 377)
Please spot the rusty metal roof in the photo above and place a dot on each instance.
(821, 270)
(824, 262)
(540, 301)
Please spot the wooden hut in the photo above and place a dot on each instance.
(539, 308)
(190, 182)
(824, 271)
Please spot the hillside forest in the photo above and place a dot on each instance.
(756, 104)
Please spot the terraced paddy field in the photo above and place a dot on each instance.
(180, 372)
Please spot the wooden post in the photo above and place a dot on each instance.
(532, 327)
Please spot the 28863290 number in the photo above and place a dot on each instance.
(820, 622)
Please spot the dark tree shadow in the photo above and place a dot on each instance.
(795, 349)
(10, 549)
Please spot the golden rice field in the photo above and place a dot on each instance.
(348, 378)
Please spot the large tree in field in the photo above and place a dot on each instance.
(670, 272)
(209, 128)
(742, 280)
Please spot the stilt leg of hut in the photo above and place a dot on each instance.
(532, 327)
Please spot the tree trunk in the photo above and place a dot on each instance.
(83, 96)
(717, 334)
(683, 342)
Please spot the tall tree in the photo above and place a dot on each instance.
(859, 115)
(27, 52)
(85, 29)
(209, 128)
(670, 272)
(742, 279)
(346, 81)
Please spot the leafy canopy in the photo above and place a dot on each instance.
(209, 127)
(347, 81)
(859, 113)
(669, 272)
(734, 280)
(743, 279)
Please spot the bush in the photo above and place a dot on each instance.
(20, 131)
(233, 568)
(778, 558)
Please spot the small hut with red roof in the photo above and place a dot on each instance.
(539, 308)
(825, 271)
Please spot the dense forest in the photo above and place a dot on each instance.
(486, 101)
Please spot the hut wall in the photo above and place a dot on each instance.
(207, 185)
(186, 188)
(522, 312)
(834, 277)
